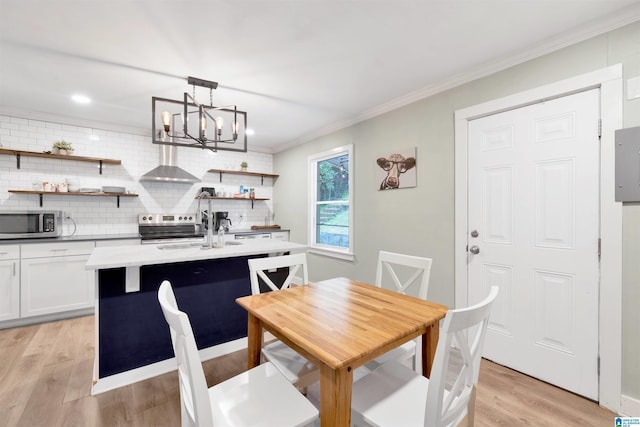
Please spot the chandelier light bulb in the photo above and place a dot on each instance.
(166, 120)
(203, 126)
(219, 123)
(234, 127)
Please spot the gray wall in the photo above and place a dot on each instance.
(420, 221)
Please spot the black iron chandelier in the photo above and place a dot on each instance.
(188, 123)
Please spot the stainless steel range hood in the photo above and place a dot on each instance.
(168, 171)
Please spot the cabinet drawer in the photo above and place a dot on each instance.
(41, 250)
(9, 252)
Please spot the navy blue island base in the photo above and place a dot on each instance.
(132, 330)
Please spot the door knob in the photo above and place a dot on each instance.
(474, 233)
(474, 249)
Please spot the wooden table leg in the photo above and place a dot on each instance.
(429, 344)
(335, 396)
(254, 341)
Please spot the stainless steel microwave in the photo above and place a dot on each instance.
(30, 224)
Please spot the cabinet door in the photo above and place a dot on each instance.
(56, 284)
(280, 235)
(9, 289)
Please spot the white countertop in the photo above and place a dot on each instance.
(135, 256)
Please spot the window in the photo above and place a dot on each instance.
(331, 202)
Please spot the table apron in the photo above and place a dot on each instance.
(354, 364)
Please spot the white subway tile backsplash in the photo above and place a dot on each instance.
(19, 120)
(100, 215)
(50, 125)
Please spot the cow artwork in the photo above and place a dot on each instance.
(395, 165)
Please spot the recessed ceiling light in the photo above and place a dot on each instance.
(249, 132)
(80, 99)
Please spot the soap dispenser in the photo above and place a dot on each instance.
(221, 236)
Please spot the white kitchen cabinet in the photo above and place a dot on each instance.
(9, 282)
(53, 278)
(280, 235)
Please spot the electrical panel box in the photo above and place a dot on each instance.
(628, 165)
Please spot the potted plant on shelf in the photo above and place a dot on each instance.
(243, 166)
(63, 147)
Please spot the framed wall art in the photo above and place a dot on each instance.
(397, 169)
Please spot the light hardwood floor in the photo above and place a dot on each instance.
(46, 372)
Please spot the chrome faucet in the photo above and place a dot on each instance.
(209, 225)
(208, 241)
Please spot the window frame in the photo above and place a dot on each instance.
(313, 161)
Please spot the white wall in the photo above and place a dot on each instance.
(100, 215)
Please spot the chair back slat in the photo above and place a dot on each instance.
(462, 331)
(392, 261)
(194, 397)
(259, 266)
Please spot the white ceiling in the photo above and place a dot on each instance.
(298, 67)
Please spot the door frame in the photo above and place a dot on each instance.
(609, 80)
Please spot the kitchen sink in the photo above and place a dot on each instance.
(174, 246)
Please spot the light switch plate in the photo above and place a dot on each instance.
(633, 88)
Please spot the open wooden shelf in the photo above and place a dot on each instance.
(245, 173)
(233, 198)
(73, 193)
(21, 153)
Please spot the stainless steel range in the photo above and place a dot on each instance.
(168, 228)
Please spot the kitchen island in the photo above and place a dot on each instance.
(132, 337)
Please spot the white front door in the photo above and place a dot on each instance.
(533, 205)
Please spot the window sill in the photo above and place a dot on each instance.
(332, 253)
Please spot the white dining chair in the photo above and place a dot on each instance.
(298, 370)
(395, 395)
(419, 270)
(259, 397)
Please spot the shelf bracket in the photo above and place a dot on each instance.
(100, 167)
(220, 176)
(118, 201)
(40, 195)
(261, 179)
(18, 162)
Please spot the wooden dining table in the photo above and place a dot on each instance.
(340, 324)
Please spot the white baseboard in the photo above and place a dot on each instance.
(629, 406)
(52, 317)
(145, 372)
